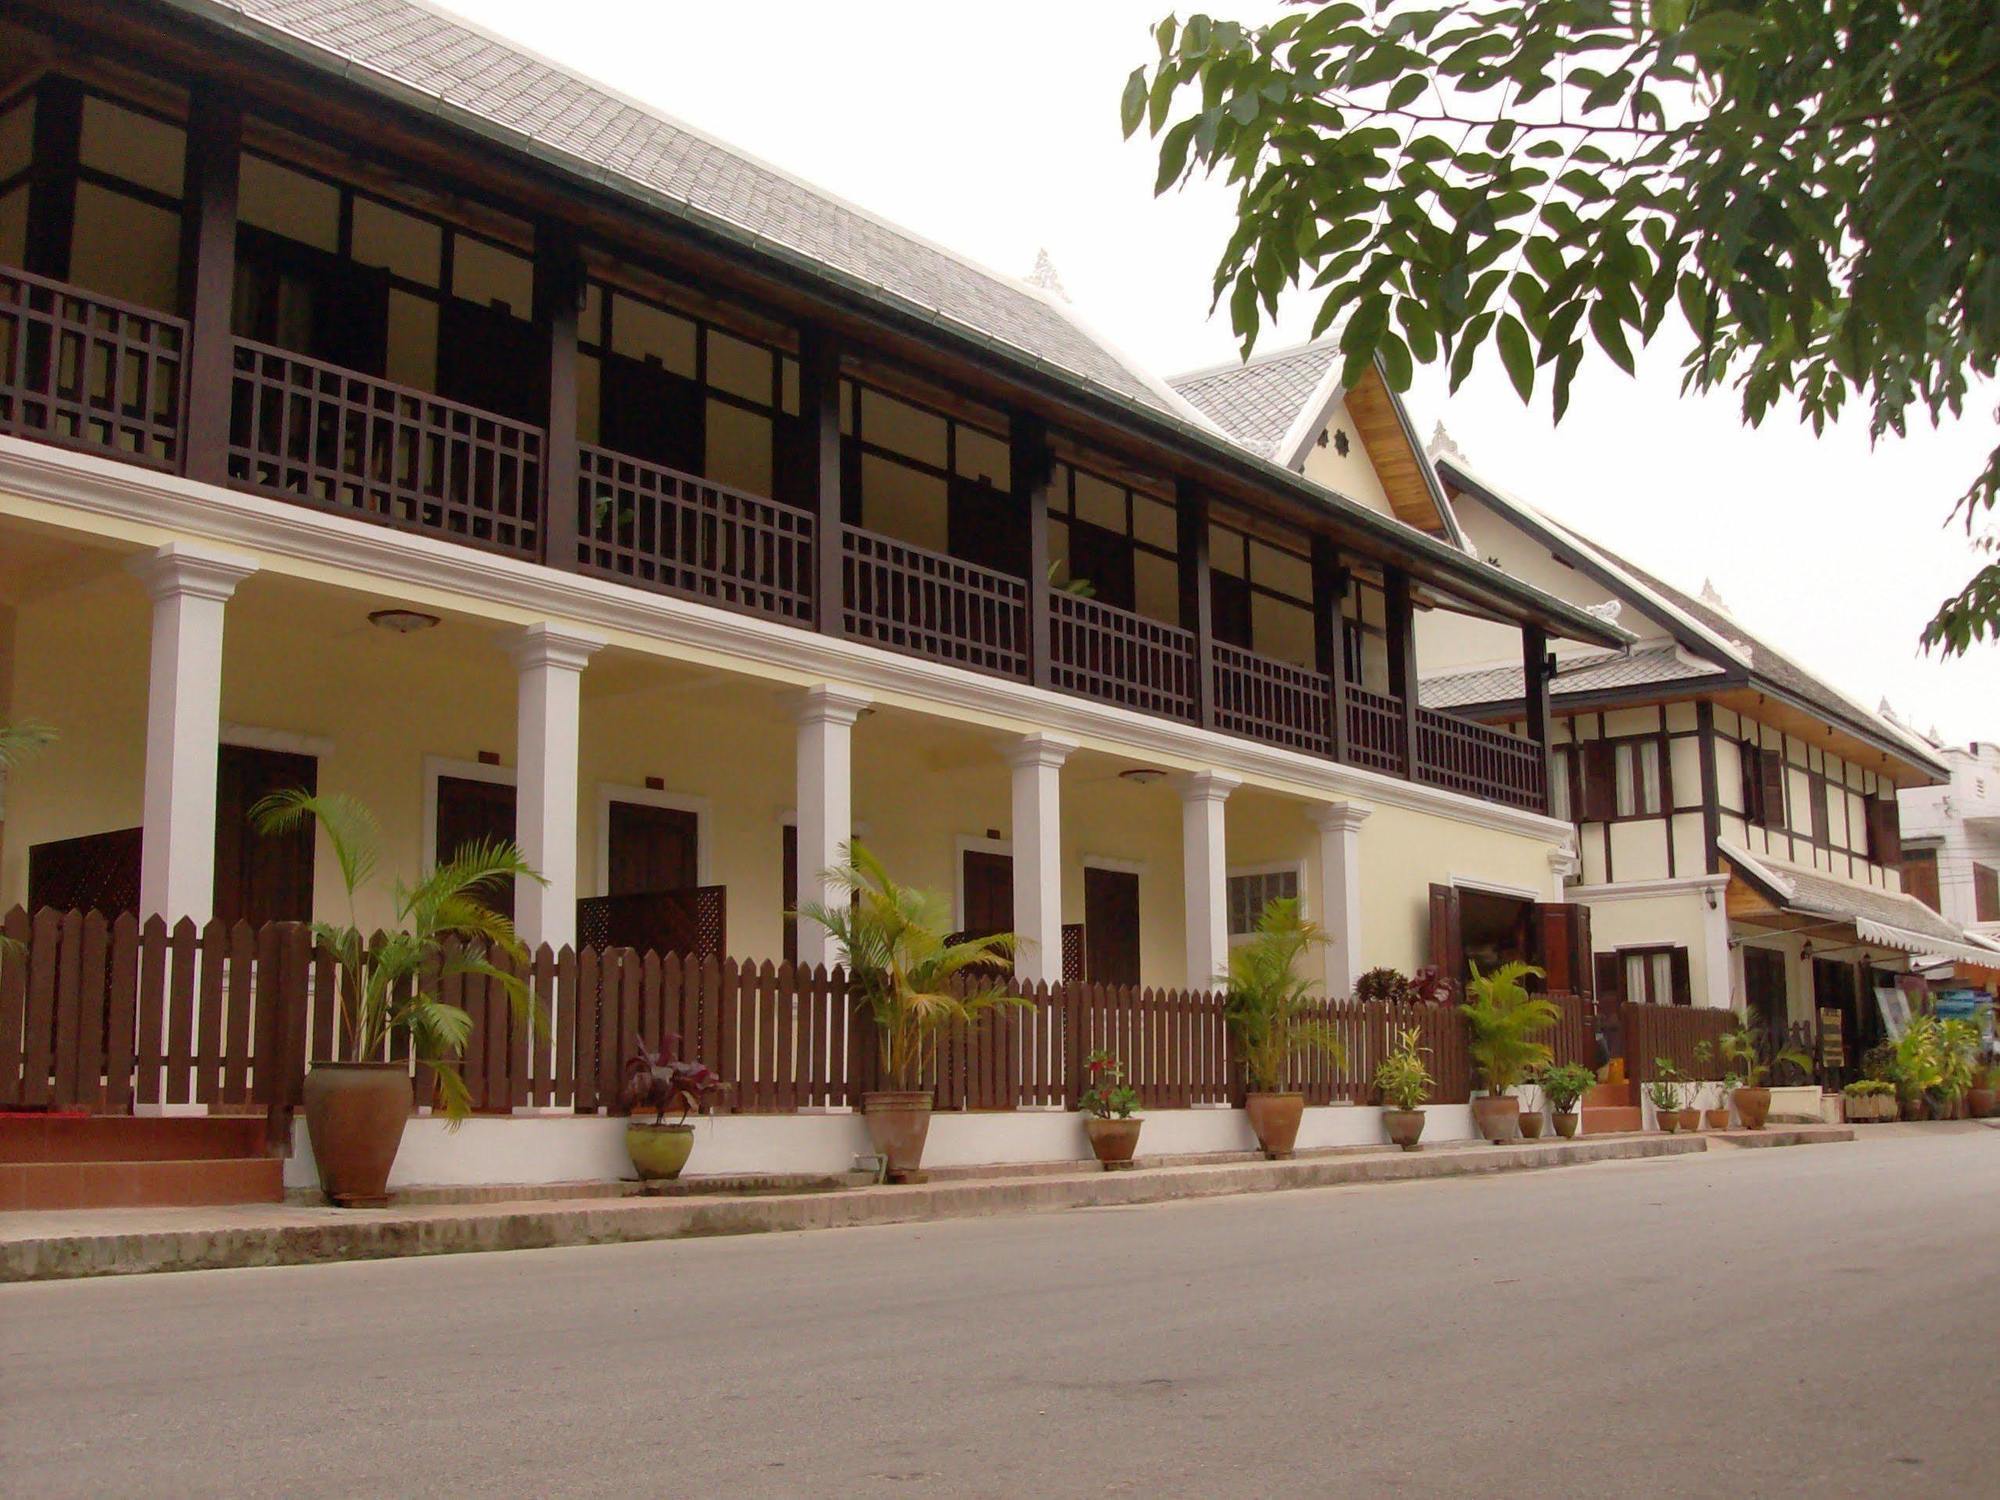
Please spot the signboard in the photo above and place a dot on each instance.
(1895, 1008)
(1832, 1046)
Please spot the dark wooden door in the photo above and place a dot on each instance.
(469, 812)
(1765, 989)
(492, 360)
(1111, 926)
(652, 849)
(259, 878)
(1562, 947)
(985, 527)
(649, 412)
(989, 893)
(1104, 559)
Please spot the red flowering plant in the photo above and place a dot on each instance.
(1104, 1095)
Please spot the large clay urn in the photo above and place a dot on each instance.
(1753, 1106)
(898, 1122)
(1405, 1127)
(1497, 1117)
(355, 1112)
(1113, 1141)
(1274, 1118)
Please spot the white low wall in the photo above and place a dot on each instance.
(541, 1149)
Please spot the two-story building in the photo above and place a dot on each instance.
(387, 410)
(1951, 849)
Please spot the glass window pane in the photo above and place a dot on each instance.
(1635, 978)
(1627, 793)
(1663, 979)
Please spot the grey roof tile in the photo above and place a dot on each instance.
(1816, 892)
(439, 54)
(1577, 676)
(1257, 401)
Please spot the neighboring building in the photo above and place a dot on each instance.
(386, 410)
(1738, 835)
(1951, 839)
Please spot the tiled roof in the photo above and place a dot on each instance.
(1257, 402)
(509, 87)
(1819, 894)
(1578, 675)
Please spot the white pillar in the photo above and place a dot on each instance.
(1205, 873)
(190, 585)
(1718, 963)
(1339, 825)
(547, 718)
(826, 718)
(1037, 796)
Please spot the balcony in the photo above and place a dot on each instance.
(90, 373)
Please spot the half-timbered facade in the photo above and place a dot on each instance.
(386, 410)
(1737, 827)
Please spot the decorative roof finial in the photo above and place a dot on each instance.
(1711, 598)
(1044, 275)
(1442, 446)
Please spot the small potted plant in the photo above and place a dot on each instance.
(1562, 1085)
(657, 1081)
(356, 1110)
(1503, 1021)
(1107, 1104)
(1664, 1092)
(1754, 1058)
(1405, 1083)
(1689, 1112)
(1706, 1071)
(1268, 1010)
(916, 984)
(1868, 1099)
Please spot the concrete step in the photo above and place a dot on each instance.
(200, 1183)
(1610, 1096)
(39, 1138)
(1612, 1120)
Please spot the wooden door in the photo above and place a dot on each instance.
(259, 878)
(1764, 987)
(652, 849)
(986, 527)
(1561, 947)
(469, 812)
(989, 893)
(1111, 926)
(647, 411)
(492, 360)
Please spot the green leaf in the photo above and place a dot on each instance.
(1132, 108)
(1610, 334)
(1516, 355)
(1406, 91)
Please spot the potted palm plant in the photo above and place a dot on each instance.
(1754, 1057)
(1405, 1083)
(1562, 1085)
(1503, 1021)
(1664, 1092)
(1107, 1104)
(916, 983)
(1268, 1008)
(356, 1108)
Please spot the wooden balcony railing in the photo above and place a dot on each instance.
(1272, 700)
(90, 372)
(1115, 656)
(657, 528)
(1375, 730)
(928, 604)
(303, 430)
(1462, 756)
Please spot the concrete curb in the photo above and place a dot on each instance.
(196, 1239)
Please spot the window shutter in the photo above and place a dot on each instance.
(1599, 782)
(1683, 984)
(1816, 797)
(1562, 946)
(1920, 879)
(1447, 939)
(1749, 758)
(1885, 830)
(1985, 892)
(1771, 764)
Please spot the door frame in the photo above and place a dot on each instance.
(439, 766)
(609, 792)
(963, 845)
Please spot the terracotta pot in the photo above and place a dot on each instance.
(1690, 1121)
(1715, 1119)
(1531, 1124)
(658, 1152)
(1982, 1103)
(1275, 1120)
(1753, 1106)
(1113, 1141)
(898, 1121)
(1667, 1121)
(1498, 1119)
(1912, 1109)
(1404, 1126)
(1566, 1123)
(355, 1112)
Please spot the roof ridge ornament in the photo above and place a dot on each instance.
(1044, 275)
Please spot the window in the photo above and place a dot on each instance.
(1763, 786)
(1885, 830)
(1559, 798)
(1656, 975)
(1636, 767)
(1920, 876)
(1985, 894)
(1253, 890)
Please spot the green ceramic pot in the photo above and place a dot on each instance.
(658, 1152)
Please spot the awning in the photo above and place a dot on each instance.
(1881, 917)
(1916, 942)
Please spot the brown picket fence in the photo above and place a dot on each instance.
(111, 1016)
(1673, 1033)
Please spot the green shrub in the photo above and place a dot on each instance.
(1403, 1079)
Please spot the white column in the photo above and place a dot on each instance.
(1037, 795)
(1339, 825)
(1718, 962)
(548, 714)
(826, 718)
(190, 585)
(1205, 872)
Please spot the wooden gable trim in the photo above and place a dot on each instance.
(1397, 457)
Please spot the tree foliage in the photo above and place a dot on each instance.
(1813, 185)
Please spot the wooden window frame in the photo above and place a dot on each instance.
(1678, 961)
(1277, 870)
(1985, 893)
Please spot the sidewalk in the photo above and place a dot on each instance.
(57, 1245)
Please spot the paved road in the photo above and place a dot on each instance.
(1804, 1322)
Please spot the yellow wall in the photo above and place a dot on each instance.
(1646, 921)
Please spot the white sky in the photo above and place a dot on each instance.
(994, 131)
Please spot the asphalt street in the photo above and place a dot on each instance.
(1815, 1321)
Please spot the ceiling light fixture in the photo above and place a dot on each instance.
(1141, 775)
(401, 621)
